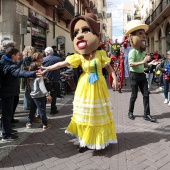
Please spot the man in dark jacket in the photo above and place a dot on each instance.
(9, 89)
(53, 76)
(55, 53)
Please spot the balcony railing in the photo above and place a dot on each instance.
(85, 2)
(163, 4)
(65, 9)
(91, 5)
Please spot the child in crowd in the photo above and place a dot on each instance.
(10, 74)
(38, 94)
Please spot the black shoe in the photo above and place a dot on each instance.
(119, 91)
(12, 125)
(10, 138)
(81, 149)
(14, 121)
(150, 118)
(54, 112)
(60, 96)
(14, 131)
(131, 116)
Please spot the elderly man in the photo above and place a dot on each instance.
(138, 61)
(53, 76)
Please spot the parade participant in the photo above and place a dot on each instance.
(92, 121)
(137, 61)
(117, 63)
(126, 47)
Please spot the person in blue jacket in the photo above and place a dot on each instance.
(9, 89)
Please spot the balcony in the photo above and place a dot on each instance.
(85, 3)
(91, 6)
(95, 11)
(54, 2)
(66, 11)
(158, 15)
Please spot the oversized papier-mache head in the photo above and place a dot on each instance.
(136, 32)
(84, 31)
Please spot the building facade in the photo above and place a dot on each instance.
(128, 13)
(43, 23)
(155, 13)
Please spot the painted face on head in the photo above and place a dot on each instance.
(138, 41)
(84, 40)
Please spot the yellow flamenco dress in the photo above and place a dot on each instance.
(92, 121)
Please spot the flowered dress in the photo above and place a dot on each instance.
(92, 121)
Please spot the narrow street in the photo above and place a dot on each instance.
(141, 144)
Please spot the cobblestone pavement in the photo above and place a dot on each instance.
(142, 145)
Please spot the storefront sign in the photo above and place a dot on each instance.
(60, 40)
(24, 19)
(38, 19)
(38, 32)
(19, 8)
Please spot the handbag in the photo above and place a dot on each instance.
(167, 77)
(48, 84)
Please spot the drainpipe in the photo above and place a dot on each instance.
(75, 8)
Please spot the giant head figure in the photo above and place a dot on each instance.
(84, 32)
(136, 32)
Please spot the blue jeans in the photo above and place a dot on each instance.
(40, 104)
(166, 88)
(7, 113)
(27, 99)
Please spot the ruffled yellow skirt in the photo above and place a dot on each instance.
(92, 120)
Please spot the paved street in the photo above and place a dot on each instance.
(142, 145)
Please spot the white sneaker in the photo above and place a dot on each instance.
(165, 101)
(46, 127)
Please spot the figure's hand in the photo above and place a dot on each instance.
(43, 69)
(154, 62)
(38, 73)
(146, 59)
(49, 98)
(115, 84)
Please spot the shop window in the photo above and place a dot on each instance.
(38, 37)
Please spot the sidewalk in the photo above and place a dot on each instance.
(142, 145)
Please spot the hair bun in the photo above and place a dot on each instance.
(91, 15)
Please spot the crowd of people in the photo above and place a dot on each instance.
(26, 65)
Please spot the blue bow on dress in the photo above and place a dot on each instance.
(94, 76)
